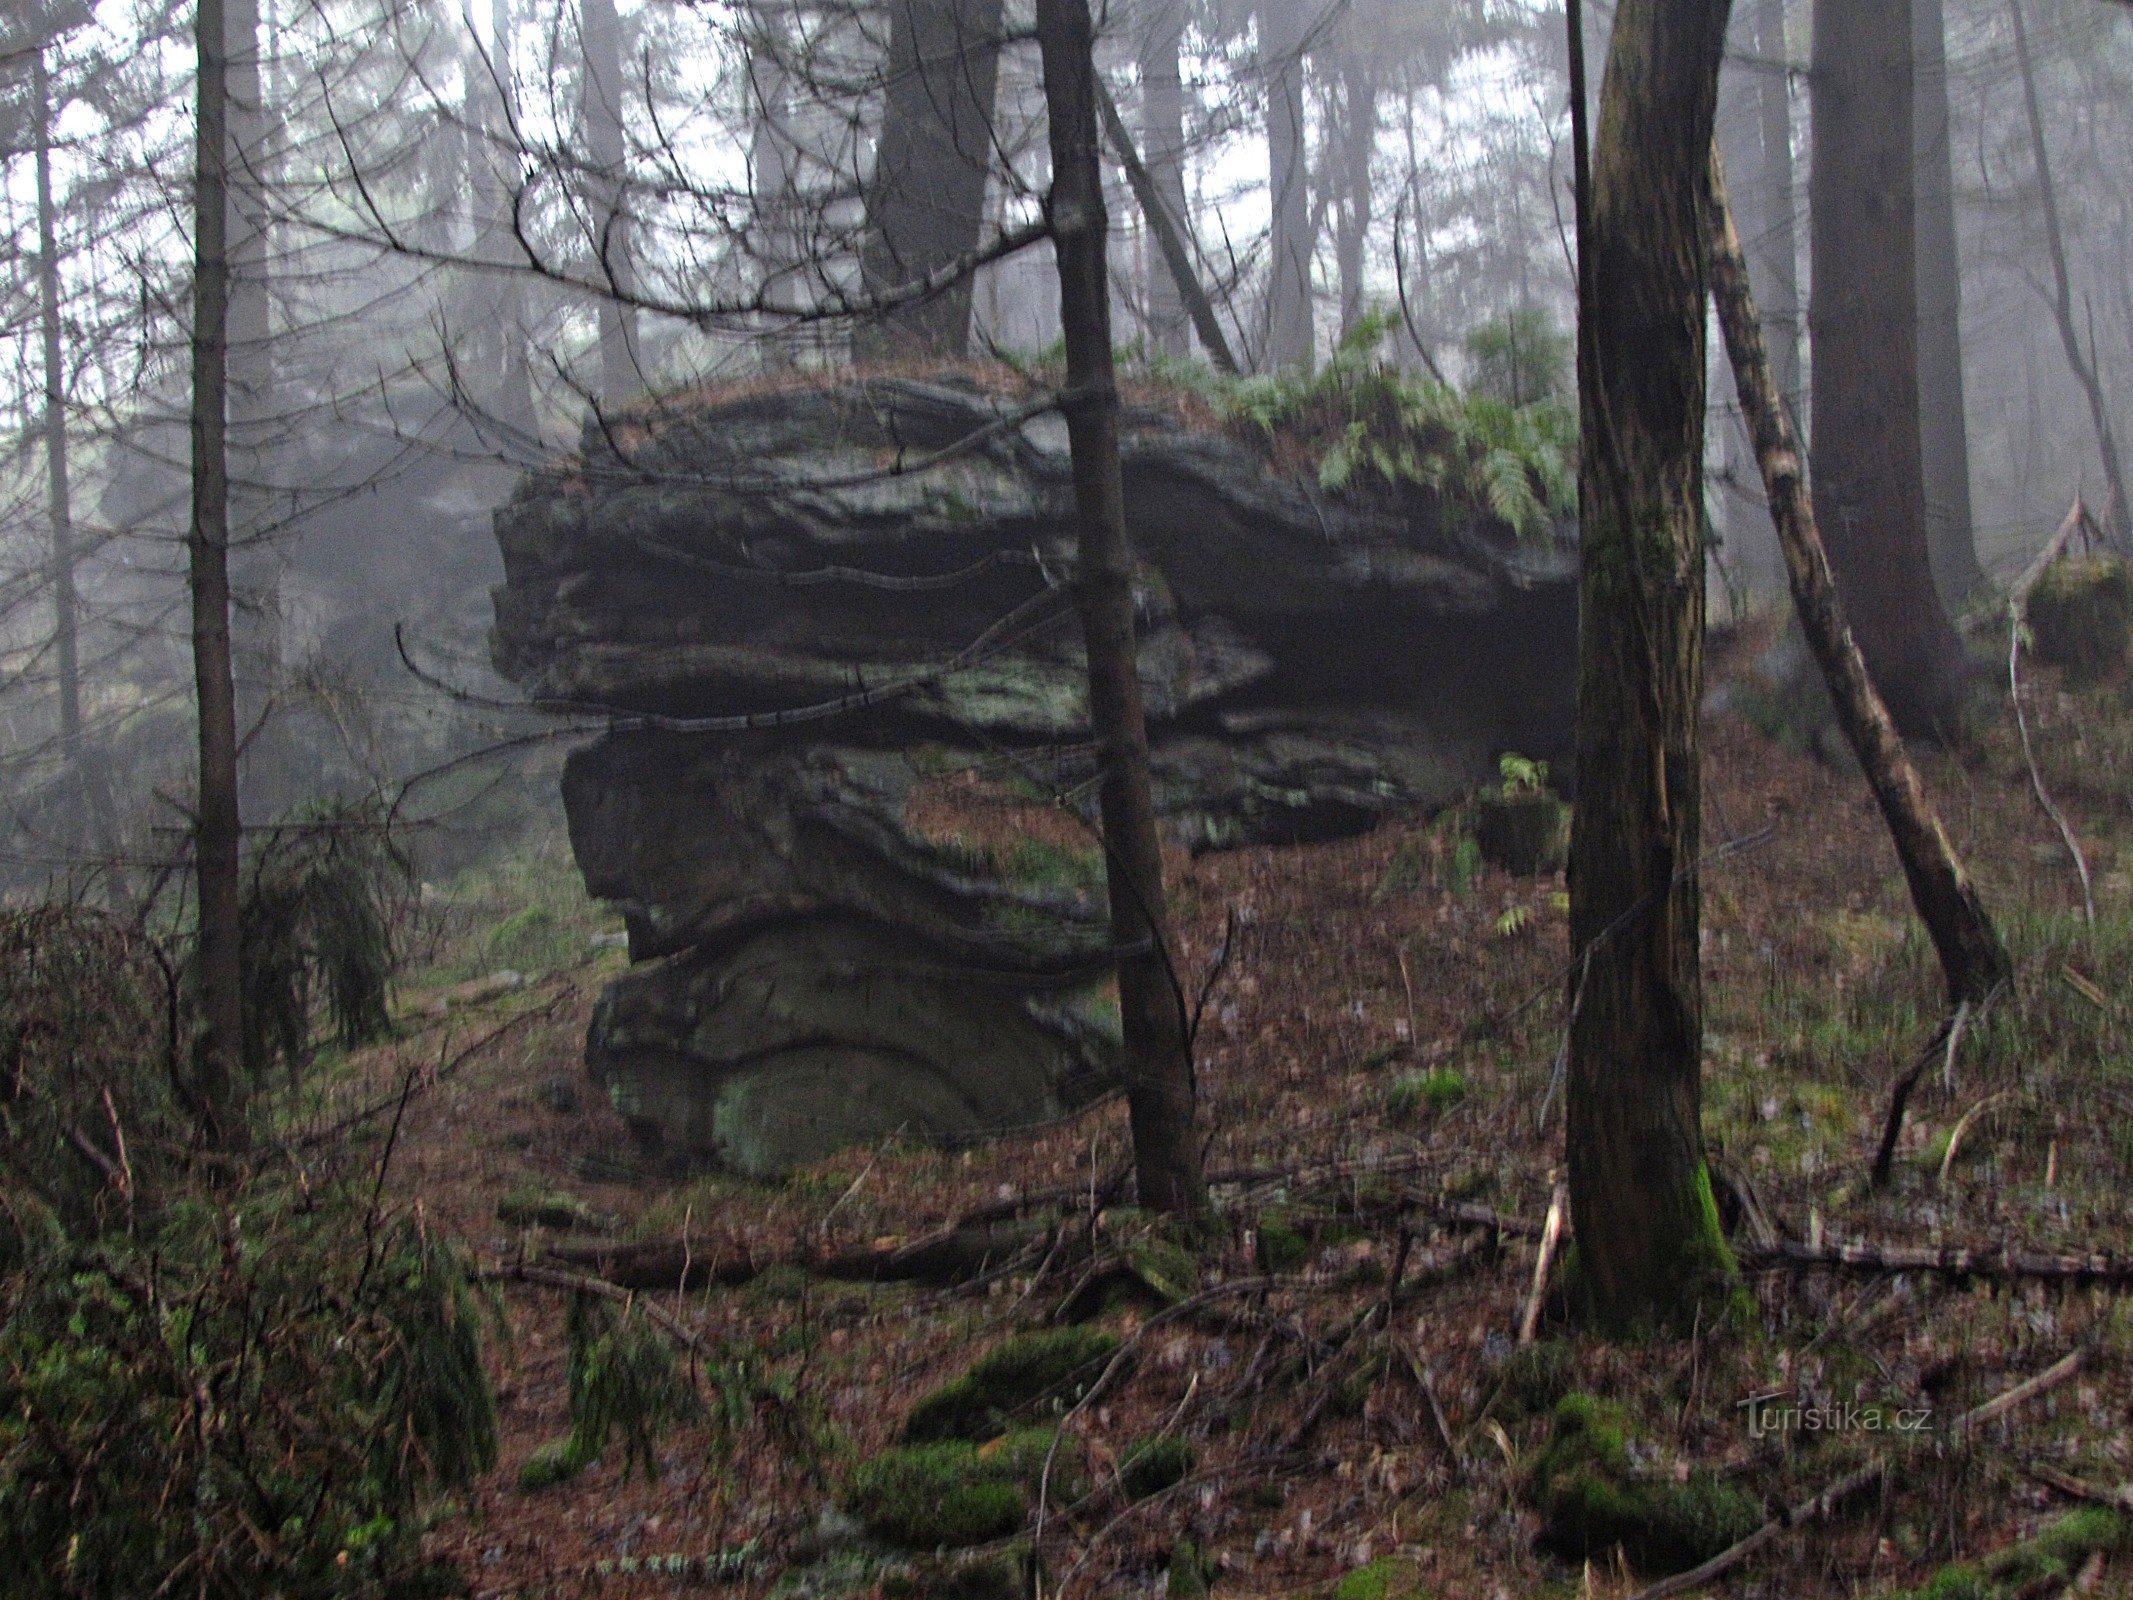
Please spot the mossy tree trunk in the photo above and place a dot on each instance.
(1649, 1245)
(1158, 1059)
(1971, 955)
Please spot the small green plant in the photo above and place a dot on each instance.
(1484, 455)
(623, 1381)
(1435, 1091)
(316, 925)
(1521, 358)
(1521, 776)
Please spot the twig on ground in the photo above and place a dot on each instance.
(1948, 1038)
(1543, 1264)
(2017, 620)
(2120, 1498)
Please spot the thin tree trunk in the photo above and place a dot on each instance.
(1972, 958)
(495, 333)
(1775, 262)
(1869, 482)
(1291, 340)
(926, 198)
(2118, 516)
(1158, 1059)
(1649, 1244)
(59, 497)
(220, 1082)
(1359, 137)
(1162, 42)
(773, 169)
(614, 251)
(1170, 238)
(1751, 559)
(1944, 433)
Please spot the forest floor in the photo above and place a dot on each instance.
(1343, 1358)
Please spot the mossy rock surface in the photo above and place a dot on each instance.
(551, 1208)
(951, 1493)
(2040, 1565)
(2078, 616)
(980, 1404)
(1592, 1501)
(556, 1462)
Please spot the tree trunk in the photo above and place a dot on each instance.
(1158, 1059)
(493, 342)
(59, 495)
(1972, 958)
(614, 255)
(773, 172)
(2118, 516)
(1359, 138)
(255, 424)
(1170, 238)
(1751, 559)
(1291, 342)
(926, 198)
(220, 1084)
(1869, 484)
(1774, 256)
(1162, 41)
(1944, 433)
(1649, 1244)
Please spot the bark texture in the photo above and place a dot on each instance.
(1869, 487)
(1157, 1059)
(1971, 955)
(1649, 1245)
(926, 198)
(219, 1084)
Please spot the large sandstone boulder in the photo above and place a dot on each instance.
(800, 601)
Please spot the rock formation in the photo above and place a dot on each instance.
(798, 602)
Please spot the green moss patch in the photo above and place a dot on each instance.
(1415, 1094)
(952, 1493)
(2036, 1566)
(1027, 1368)
(1592, 1501)
(1387, 1578)
(1282, 1246)
(556, 1462)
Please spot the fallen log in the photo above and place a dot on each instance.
(2103, 1269)
(949, 1256)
